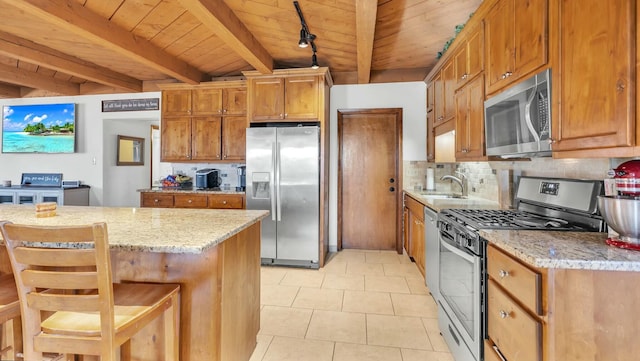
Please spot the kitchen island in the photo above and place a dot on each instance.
(213, 254)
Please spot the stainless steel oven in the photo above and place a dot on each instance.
(461, 290)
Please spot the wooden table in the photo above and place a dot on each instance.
(213, 254)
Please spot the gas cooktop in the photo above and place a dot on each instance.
(507, 219)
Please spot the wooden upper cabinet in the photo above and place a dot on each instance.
(206, 139)
(301, 98)
(267, 99)
(234, 138)
(206, 101)
(449, 83)
(470, 144)
(234, 101)
(516, 35)
(469, 58)
(438, 95)
(595, 83)
(176, 102)
(430, 96)
(195, 127)
(285, 98)
(175, 139)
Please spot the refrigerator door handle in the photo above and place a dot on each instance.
(272, 182)
(277, 169)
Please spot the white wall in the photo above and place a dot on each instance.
(410, 96)
(87, 164)
(120, 183)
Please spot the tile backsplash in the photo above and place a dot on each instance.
(495, 180)
(228, 171)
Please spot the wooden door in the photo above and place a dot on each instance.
(234, 101)
(175, 139)
(499, 24)
(176, 102)
(234, 135)
(430, 96)
(301, 98)
(205, 138)
(431, 137)
(369, 179)
(207, 101)
(267, 99)
(416, 229)
(595, 91)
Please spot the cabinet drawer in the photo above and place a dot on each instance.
(226, 201)
(157, 200)
(415, 207)
(190, 201)
(520, 281)
(516, 333)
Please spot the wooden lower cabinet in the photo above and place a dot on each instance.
(414, 223)
(192, 200)
(585, 314)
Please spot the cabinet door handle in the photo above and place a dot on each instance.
(224, 202)
(281, 116)
(504, 314)
(156, 200)
(503, 273)
(189, 201)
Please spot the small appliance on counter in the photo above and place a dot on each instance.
(242, 178)
(208, 178)
(621, 210)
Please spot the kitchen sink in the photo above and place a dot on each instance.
(443, 196)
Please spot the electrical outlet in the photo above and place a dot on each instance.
(223, 175)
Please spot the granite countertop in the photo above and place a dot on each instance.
(565, 250)
(167, 230)
(439, 204)
(192, 190)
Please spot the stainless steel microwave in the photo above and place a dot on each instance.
(518, 120)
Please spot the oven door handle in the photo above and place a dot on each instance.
(457, 251)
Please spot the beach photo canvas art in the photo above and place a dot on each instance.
(40, 128)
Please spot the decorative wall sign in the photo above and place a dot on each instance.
(42, 179)
(130, 105)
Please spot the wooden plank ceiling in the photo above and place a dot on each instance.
(72, 47)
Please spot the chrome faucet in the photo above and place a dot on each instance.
(461, 182)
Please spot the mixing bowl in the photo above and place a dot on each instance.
(622, 214)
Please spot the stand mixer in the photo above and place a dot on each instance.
(622, 211)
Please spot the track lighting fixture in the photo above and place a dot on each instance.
(306, 37)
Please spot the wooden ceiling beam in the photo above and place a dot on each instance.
(72, 16)
(218, 17)
(26, 50)
(13, 75)
(9, 91)
(366, 13)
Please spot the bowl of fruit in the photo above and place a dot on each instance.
(177, 181)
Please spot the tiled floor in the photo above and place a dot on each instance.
(363, 305)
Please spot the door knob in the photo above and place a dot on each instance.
(391, 189)
(391, 180)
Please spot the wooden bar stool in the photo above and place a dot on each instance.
(10, 312)
(68, 300)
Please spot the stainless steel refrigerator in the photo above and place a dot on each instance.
(283, 176)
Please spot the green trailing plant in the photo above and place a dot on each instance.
(456, 31)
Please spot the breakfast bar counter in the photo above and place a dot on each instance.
(213, 254)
